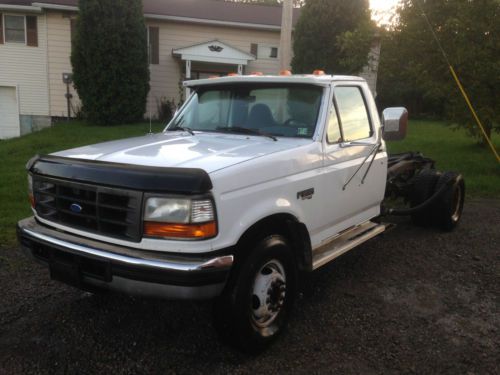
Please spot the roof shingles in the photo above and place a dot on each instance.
(215, 10)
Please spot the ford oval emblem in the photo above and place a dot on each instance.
(76, 208)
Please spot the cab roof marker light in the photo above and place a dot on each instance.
(319, 72)
(285, 72)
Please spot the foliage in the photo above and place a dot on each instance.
(413, 71)
(166, 109)
(110, 62)
(333, 35)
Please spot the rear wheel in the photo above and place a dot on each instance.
(447, 212)
(423, 188)
(256, 304)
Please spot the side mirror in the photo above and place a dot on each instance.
(395, 123)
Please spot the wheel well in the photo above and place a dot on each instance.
(286, 225)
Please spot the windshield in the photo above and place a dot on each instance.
(273, 110)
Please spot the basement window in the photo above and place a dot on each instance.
(15, 29)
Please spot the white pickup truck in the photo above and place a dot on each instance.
(256, 180)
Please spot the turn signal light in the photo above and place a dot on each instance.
(285, 72)
(185, 231)
(32, 200)
(319, 72)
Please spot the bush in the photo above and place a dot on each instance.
(110, 60)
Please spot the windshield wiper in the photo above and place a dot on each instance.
(242, 130)
(183, 128)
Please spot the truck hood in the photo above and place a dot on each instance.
(207, 151)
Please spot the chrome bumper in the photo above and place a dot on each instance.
(87, 263)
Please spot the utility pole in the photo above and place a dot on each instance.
(285, 51)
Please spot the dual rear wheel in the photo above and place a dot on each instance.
(446, 211)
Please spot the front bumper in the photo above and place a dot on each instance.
(89, 264)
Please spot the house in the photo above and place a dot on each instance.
(187, 39)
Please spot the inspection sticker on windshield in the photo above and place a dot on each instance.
(302, 131)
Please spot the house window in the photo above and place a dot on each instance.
(265, 52)
(14, 29)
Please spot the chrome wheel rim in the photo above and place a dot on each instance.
(268, 296)
(457, 199)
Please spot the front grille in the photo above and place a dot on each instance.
(97, 209)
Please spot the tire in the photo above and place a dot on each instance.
(256, 304)
(423, 188)
(447, 211)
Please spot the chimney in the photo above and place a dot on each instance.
(285, 50)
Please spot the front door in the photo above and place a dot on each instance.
(350, 143)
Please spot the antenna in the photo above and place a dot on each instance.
(150, 126)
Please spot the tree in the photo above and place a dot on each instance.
(110, 60)
(333, 35)
(413, 68)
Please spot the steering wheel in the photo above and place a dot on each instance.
(291, 122)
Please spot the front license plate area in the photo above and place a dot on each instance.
(66, 270)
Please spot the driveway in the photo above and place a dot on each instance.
(411, 301)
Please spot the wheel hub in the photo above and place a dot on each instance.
(269, 293)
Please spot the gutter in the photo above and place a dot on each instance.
(212, 22)
(56, 7)
(21, 8)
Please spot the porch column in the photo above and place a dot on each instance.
(188, 77)
(240, 69)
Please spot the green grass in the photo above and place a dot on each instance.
(452, 149)
(14, 153)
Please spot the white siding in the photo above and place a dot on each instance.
(26, 68)
(166, 75)
(59, 52)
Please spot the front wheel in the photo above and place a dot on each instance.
(257, 301)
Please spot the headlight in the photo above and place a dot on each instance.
(179, 218)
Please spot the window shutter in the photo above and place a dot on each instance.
(72, 28)
(154, 45)
(254, 49)
(31, 31)
(1, 28)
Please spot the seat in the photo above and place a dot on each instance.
(260, 116)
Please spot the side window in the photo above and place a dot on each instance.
(333, 132)
(353, 113)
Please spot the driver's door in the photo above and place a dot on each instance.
(350, 143)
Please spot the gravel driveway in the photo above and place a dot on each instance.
(411, 301)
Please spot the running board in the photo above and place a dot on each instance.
(345, 241)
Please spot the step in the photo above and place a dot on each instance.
(346, 241)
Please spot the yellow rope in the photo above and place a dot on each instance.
(466, 97)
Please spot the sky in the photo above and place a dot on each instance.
(382, 9)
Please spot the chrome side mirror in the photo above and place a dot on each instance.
(395, 123)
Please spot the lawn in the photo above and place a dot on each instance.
(452, 149)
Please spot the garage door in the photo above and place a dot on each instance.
(9, 114)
